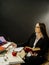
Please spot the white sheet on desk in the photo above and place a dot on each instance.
(3, 62)
(1, 59)
(7, 44)
(13, 60)
(18, 49)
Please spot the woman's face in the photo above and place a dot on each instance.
(37, 28)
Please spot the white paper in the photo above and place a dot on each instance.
(14, 59)
(1, 59)
(3, 62)
(6, 45)
(18, 49)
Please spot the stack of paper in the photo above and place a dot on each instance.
(6, 45)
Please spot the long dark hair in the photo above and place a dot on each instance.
(43, 29)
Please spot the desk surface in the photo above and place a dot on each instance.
(10, 59)
(14, 60)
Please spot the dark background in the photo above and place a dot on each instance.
(18, 18)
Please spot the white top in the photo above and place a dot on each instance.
(36, 40)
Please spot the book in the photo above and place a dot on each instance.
(7, 44)
(27, 49)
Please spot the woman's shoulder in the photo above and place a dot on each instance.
(46, 38)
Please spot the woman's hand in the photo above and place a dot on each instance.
(36, 49)
(34, 54)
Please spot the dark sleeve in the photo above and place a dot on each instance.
(44, 47)
(27, 42)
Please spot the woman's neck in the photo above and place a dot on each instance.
(39, 35)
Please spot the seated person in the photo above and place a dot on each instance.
(39, 39)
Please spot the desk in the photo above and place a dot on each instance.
(11, 60)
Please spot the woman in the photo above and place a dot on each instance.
(38, 39)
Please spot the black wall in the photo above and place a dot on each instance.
(18, 18)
